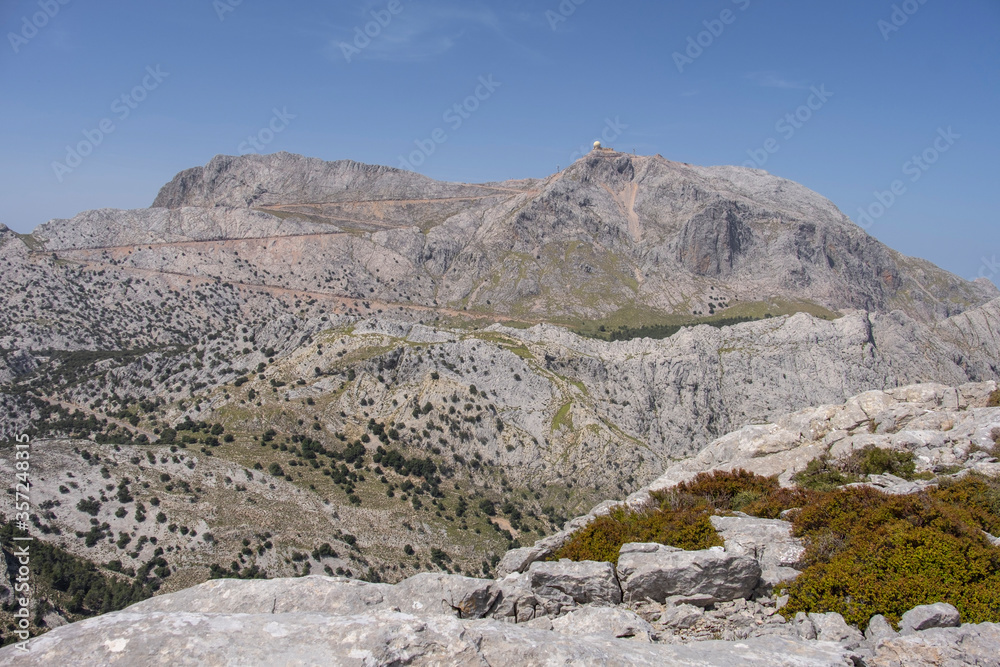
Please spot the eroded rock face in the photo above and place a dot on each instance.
(941, 647)
(703, 577)
(941, 425)
(610, 621)
(517, 602)
(565, 584)
(769, 541)
(925, 617)
(437, 593)
(421, 594)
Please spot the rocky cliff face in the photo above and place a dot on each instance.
(611, 234)
(949, 430)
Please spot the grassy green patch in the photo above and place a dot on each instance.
(631, 322)
(33, 243)
(563, 418)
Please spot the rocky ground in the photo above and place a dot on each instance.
(950, 430)
(290, 367)
(435, 619)
(659, 603)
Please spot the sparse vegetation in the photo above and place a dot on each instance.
(867, 552)
(994, 399)
(824, 473)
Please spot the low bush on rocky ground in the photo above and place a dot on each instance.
(867, 552)
(824, 473)
(677, 522)
(994, 400)
(870, 553)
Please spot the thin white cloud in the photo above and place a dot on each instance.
(775, 80)
(418, 33)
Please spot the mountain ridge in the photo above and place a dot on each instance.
(610, 235)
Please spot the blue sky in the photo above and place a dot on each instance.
(179, 82)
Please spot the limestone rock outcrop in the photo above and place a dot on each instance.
(657, 572)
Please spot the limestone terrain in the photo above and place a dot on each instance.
(950, 431)
(540, 418)
(366, 359)
(612, 235)
(577, 612)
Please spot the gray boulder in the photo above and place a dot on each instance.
(564, 584)
(611, 621)
(803, 625)
(769, 541)
(657, 572)
(430, 592)
(879, 629)
(938, 615)
(681, 616)
(831, 627)
(518, 560)
(517, 602)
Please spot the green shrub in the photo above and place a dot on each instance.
(823, 474)
(994, 400)
(771, 505)
(89, 506)
(725, 490)
(685, 528)
(870, 553)
(977, 495)
(874, 460)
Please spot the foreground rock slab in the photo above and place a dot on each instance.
(942, 647)
(382, 638)
(565, 584)
(658, 572)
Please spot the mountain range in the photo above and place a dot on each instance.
(285, 353)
